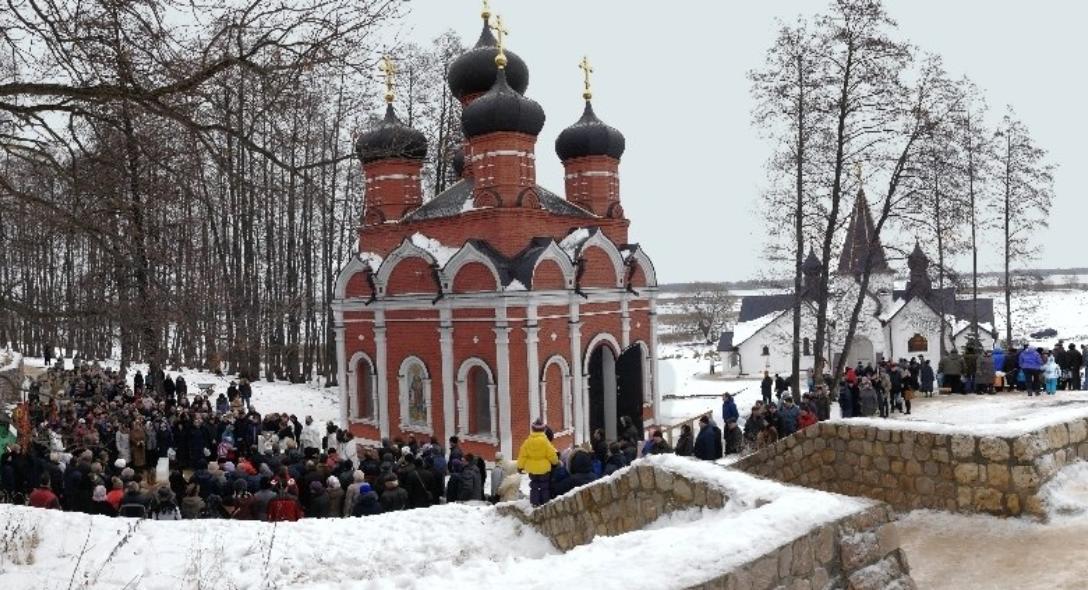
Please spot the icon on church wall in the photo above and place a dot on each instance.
(417, 401)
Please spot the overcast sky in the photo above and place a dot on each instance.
(672, 77)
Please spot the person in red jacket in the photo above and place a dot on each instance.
(43, 496)
(284, 507)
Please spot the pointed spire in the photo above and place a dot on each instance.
(862, 242)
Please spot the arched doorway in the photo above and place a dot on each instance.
(615, 389)
(602, 391)
(861, 351)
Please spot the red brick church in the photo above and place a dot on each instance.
(496, 302)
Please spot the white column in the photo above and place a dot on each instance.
(532, 362)
(580, 418)
(383, 372)
(653, 359)
(625, 323)
(341, 367)
(502, 362)
(445, 339)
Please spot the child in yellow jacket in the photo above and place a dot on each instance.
(536, 457)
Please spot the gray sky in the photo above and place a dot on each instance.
(672, 77)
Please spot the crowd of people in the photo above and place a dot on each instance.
(1033, 370)
(100, 444)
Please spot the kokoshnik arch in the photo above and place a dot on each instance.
(497, 302)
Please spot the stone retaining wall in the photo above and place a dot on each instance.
(860, 551)
(910, 469)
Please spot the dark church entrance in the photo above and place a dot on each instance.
(615, 389)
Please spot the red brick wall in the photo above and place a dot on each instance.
(599, 270)
(392, 196)
(548, 275)
(474, 278)
(411, 275)
(593, 192)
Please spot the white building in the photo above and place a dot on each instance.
(893, 324)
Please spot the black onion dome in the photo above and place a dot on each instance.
(502, 109)
(473, 72)
(811, 264)
(589, 137)
(391, 139)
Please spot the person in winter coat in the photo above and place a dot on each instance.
(284, 507)
(1052, 372)
(367, 503)
(768, 436)
(729, 408)
(985, 373)
(1076, 361)
(807, 418)
(926, 377)
(499, 472)
(685, 444)
(559, 481)
(788, 416)
(393, 497)
(765, 387)
(100, 505)
(417, 482)
(754, 424)
(734, 439)
(137, 438)
(970, 370)
(846, 406)
(122, 441)
(472, 485)
(43, 496)
(869, 400)
(536, 457)
(311, 435)
(1031, 363)
(708, 444)
(581, 467)
(317, 505)
(951, 366)
(351, 494)
(165, 506)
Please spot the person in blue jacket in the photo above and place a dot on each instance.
(1031, 363)
(729, 408)
(708, 444)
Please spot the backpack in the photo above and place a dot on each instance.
(132, 510)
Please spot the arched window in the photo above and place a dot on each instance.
(476, 401)
(364, 391)
(766, 351)
(415, 395)
(555, 394)
(808, 347)
(917, 343)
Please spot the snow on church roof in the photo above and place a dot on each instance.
(745, 330)
(441, 252)
(573, 241)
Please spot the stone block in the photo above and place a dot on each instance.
(887, 536)
(820, 579)
(1012, 504)
(698, 496)
(1078, 431)
(941, 455)
(966, 473)
(646, 476)
(1024, 478)
(924, 485)
(988, 500)
(824, 544)
(1033, 505)
(764, 572)
(963, 446)
(785, 561)
(1057, 436)
(997, 476)
(913, 468)
(878, 576)
(859, 550)
(738, 580)
(994, 449)
(1028, 447)
(922, 453)
(681, 490)
(897, 466)
(883, 436)
(663, 480)
(965, 497)
(931, 468)
(803, 557)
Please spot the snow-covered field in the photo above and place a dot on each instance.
(1061, 309)
(452, 546)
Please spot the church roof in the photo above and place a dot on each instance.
(725, 343)
(945, 300)
(458, 198)
(757, 306)
(862, 243)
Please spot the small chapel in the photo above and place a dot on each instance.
(496, 302)
(894, 323)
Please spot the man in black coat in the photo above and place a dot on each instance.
(1075, 360)
(417, 482)
(708, 444)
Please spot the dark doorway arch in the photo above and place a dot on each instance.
(630, 383)
(602, 391)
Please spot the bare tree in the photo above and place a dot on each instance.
(705, 312)
(1026, 181)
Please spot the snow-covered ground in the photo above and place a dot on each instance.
(1033, 311)
(955, 551)
(452, 546)
(300, 399)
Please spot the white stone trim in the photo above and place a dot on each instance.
(353, 390)
(341, 352)
(493, 153)
(353, 267)
(643, 260)
(445, 340)
(373, 179)
(403, 252)
(556, 254)
(575, 330)
(605, 173)
(464, 402)
(601, 338)
(381, 352)
(597, 239)
(532, 362)
(468, 254)
(654, 367)
(502, 368)
(551, 297)
(402, 379)
(565, 388)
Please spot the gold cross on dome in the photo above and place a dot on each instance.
(500, 34)
(486, 12)
(857, 172)
(587, 70)
(389, 69)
